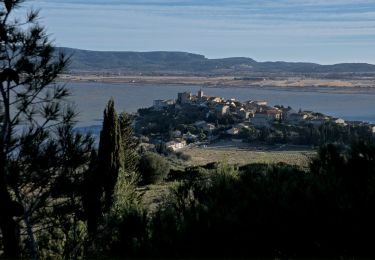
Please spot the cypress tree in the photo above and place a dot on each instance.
(110, 154)
(129, 144)
(92, 194)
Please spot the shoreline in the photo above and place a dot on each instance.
(292, 84)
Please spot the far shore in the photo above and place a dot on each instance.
(302, 83)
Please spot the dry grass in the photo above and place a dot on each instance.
(202, 156)
(153, 195)
(228, 152)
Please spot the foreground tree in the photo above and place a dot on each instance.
(110, 154)
(116, 165)
(39, 153)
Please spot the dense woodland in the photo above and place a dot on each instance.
(61, 197)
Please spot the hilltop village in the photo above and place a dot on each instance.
(173, 124)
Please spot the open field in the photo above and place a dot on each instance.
(231, 153)
(240, 154)
(336, 85)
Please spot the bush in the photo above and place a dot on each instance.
(183, 156)
(153, 168)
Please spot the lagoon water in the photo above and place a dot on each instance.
(91, 98)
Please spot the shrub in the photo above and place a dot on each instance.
(153, 168)
(183, 156)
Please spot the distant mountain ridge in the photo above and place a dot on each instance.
(163, 62)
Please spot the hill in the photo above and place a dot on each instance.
(162, 62)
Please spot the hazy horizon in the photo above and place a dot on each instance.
(325, 32)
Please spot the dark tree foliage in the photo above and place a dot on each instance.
(110, 153)
(40, 156)
(129, 144)
(92, 194)
(309, 134)
(117, 152)
(277, 211)
(265, 211)
(153, 168)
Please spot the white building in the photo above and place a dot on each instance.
(261, 102)
(215, 99)
(222, 109)
(340, 121)
(233, 131)
(175, 145)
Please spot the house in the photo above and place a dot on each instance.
(260, 102)
(243, 125)
(339, 121)
(204, 125)
(190, 137)
(159, 103)
(215, 99)
(175, 145)
(260, 120)
(184, 98)
(274, 113)
(222, 109)
(266, 115)
(203, 99)
(209, 127)
(373, 129)
(233, 131)
(244, 114)
(170, 102)
(296, 117)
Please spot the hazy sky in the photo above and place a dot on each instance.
(325, 31)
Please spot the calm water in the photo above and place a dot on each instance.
(91, 98)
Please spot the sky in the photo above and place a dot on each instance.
(322, 31)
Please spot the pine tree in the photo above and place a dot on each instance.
(110, 154)
(40, 155)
